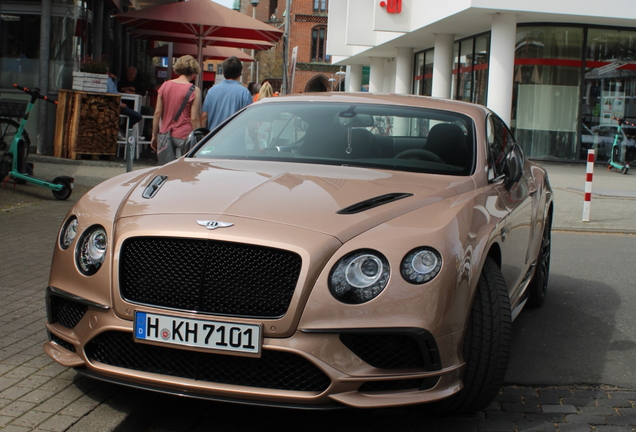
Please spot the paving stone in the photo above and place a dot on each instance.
(606, 428)
(52, 405)
(509, 398)
(589, 419)
(579, 401)
(558, 408)
(524, 391)
(573, 427)
(542, 400)
(37, 396)
(520, 407)
(627, 417)
(536, 427)
(80, 407)
(33, 382)
(616, 401)
(5, 383)
(504, 416)
(598, 410)
(14, 392)
(589, 393)
(555, 392)
(31, 419)
(545, 417)
(16, 409)
(58, 423)
(15, 428)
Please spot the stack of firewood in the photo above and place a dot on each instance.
(87, 123)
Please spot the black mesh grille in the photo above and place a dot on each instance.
(385, 351)
(409, 384)
(208, 276)
(66, 312)
(274, 370)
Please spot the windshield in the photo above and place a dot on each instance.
(367, 135)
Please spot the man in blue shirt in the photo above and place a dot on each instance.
(134, 116)
(226, 98)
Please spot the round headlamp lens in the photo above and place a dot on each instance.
(91, 250)
(69, 232)
(421, 265)
(359, 277)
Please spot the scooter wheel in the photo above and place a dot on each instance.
(66, 190)
(625, 170)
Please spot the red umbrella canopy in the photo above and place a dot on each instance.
(205, 42)
(200, 19)
(213, 53)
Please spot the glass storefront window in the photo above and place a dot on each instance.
(609, 89)
(470, 69)
(423, 82)
(546, 90)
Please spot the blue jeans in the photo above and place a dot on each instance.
(133, 115)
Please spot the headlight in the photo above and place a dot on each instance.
(421, 265)
(91, 250)
(359, 277)
(68, 233)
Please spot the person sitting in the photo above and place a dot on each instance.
(133, 116)
(132, 84)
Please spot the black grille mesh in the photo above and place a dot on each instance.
(385, 351)
(274, 370)
(208, 276)
(65, 312)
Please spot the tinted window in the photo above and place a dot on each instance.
(379, 136)
(500, 142)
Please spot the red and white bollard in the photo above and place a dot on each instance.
(588, 185)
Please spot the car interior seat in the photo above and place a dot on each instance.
(448, 141)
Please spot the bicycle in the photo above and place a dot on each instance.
(13, 161)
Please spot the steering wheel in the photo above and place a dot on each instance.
(418, 154)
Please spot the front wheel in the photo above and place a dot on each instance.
(67, 188)
(486, 345)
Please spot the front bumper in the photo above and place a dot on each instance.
(364, 368)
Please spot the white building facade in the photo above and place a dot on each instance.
(556, 71)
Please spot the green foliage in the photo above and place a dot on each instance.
(90, 65)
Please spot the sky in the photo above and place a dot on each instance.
(226, 3)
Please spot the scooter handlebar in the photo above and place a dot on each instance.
(34, 92)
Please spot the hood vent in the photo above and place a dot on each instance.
(373, 202)
(154, 186)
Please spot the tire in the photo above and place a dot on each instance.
(66, 190)
(625, 169)
(538, 287)
(486, 346)
(8, 129)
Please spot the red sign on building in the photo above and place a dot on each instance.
(392, 6)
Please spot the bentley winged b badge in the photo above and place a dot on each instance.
(214, 224)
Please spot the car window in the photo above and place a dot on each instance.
(500, 142)
(379, 136)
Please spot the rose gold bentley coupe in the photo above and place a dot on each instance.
(318, 250)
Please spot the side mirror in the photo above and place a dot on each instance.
(513, 168)
(195, 136)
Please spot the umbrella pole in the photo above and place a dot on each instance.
(170, 56)
(199, 81)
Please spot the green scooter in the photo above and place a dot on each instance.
(617, 155)
(13, 162)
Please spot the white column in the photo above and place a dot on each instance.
(502, 64)
(388, 84)
(354, 74)
(442, 65)
(376, 74)
(404, 71)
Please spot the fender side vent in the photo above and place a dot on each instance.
(154, 186)
(373, 202)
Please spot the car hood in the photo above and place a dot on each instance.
(308, 196)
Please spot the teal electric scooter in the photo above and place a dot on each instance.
(13, 162)
(617, 155)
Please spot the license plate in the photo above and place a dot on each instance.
(217, 335)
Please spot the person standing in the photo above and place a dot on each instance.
(266, 91)
(177, 112)
(226, 98)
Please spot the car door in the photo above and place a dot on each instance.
(518, 198)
